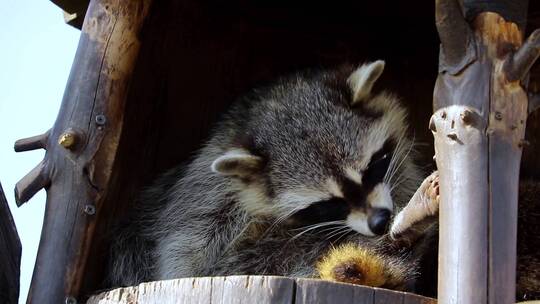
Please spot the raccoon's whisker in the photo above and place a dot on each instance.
(392, 166)
(338, 232)
(343, 233)
(332, 229)
(317, 226)
(400, 179)
(397, 184)
(406, 154)
(285, 216)
(335, 232)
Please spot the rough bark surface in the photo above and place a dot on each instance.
(81, 147)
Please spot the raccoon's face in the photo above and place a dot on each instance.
(323, 151)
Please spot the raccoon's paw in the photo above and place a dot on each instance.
(431, 197)
(353, 264)
(423, 206)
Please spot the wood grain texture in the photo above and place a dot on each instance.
(463, 221)
(253, 289)
(127, 295)
(198, 291)
(479, 160)
(324, 292)
(10, 253)
(77, 180)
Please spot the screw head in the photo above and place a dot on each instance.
(70, 300)
(90, 209)
(498, 115)
(67, 140)
(101, 119)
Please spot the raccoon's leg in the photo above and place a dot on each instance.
(420, 214)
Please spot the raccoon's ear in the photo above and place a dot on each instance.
(361, 81)
(239, 163)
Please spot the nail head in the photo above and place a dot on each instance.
(90, 209)
(101, 119)
(71, 300)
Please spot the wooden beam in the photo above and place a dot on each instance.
(478, 157)
(10, 251)
(254, 289)
(82, 147)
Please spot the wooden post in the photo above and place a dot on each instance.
(81, 147)
(479, 124)
(10, 251)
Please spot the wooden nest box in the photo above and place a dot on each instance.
(150, 77)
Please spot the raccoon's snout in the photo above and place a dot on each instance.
(378, 221)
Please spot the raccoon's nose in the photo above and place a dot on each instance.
(378, 221)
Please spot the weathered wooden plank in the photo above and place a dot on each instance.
(10, 254)
(324, 292)
(251, 289)
(127, 295)
(381, 296)
(254, 289)
(189, 290)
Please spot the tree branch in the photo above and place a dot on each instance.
(32, 143)
(519, 64)
(455, 34)
(31, 183)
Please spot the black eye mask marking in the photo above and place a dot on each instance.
(378, 166)
(334, 209)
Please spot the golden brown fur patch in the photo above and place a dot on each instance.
(354, 264)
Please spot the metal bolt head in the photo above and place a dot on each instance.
(67, 140)
(70, 300)
(100, 119)
(90, 209)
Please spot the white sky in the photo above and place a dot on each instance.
(36, 53)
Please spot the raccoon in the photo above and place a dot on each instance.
(314, 160)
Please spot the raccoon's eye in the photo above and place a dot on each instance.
(332, 209)
(382, 158)
(377, 169)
